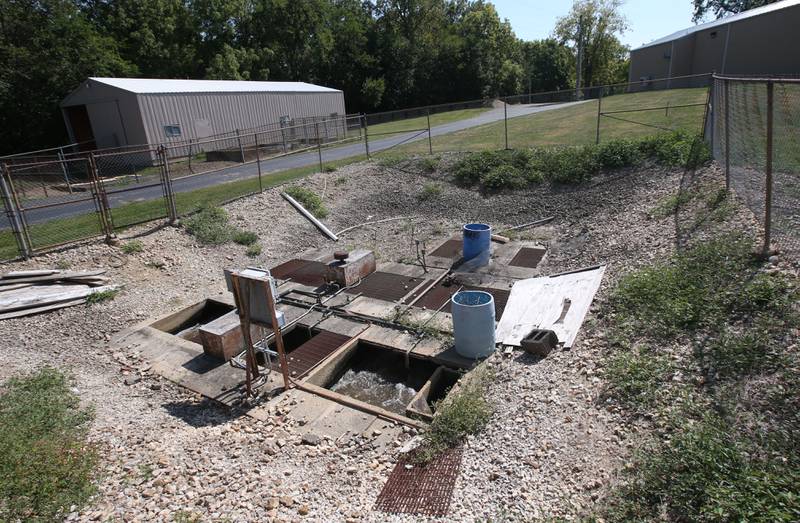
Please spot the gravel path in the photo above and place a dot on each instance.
(550, 450)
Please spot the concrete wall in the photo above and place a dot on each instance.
(204, 114)
(760, 45)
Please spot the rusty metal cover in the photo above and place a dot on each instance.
(450, 249)
(528, 257)
(301, 271)
(425, 490)
(308, 355)
(441, 293)
(385, 286)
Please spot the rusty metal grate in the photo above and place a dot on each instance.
(386, 286)
(308, 355)
(301, 271)
(425, 490)
(441, 293)
(528, 257)
(449, 249)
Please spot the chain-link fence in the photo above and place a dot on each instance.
(755, 139)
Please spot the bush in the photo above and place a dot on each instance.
(503, 177)
(677, 149)
(428, 164)
(132, 247)
(253, 250)
(46, 464)
(308, 199)
(469, 169)
(245, 237)
(619, 153)
(430, 191)
(210, 226)
(100, 297)
(570, 165)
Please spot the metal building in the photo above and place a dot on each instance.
(114, 112)
(759, 41)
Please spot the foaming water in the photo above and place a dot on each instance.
(373, 388)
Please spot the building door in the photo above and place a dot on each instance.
(78, 118)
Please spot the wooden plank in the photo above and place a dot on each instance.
(29, 274)
(39, 296)
(15, 286)
(53, 277)
(38, 310)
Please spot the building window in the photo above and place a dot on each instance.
(172, 131)
(713, 34)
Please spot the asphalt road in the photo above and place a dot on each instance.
(81, 203)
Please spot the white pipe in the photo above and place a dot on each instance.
(321, 226)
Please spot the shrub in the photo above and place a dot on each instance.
(677, 149)
(253, 250)
(210, 226)
(429, 164)
(634, 377)
(132, 247)
(46, 464)
(245, 237)
(100, 297)
(430, 191)
(619, 153)
(570, 164)
(308, 199)
(469, 169)
(503, 177)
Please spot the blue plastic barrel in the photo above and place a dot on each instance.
(477, 242)
(473, 323)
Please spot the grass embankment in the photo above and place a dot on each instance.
(46, 464)
(211, 226)
(421, 122)
(577, 124)
(704, 345)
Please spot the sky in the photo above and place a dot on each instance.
(647, 19)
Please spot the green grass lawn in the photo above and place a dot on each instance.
(76, 228)
(422, 122)
(577, 124)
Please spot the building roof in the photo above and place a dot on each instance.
(750, 13)
(162, 86)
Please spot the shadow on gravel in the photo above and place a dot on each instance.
(202, 413)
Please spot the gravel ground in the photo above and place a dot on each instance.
(550, 450)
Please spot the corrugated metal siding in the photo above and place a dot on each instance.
(229, 111)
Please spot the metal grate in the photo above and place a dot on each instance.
(385, 286)
(425, 490)
(434, 298)
(301, 271)
(449, 249)
(528, 257)
(308, 355)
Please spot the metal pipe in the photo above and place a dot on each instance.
(727, 136)
(430, 140)
(768, 194)
(321, 226)
(599, 113)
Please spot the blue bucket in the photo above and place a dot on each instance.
(477, 242)
(473, 323)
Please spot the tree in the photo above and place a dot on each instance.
(592, 28)
(548, 65)
(722, 8)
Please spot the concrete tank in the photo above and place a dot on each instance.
(473, 323)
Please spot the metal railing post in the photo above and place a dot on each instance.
(172, 212)
(61, 161)
(12, 211)
(430, 140)
(768, 192)
(319, 145)
(190, 155)
(258, 165)
(366, 133)
(505, 120)
(599, 113)
(241, 148)
(106, 220)
(727, 102)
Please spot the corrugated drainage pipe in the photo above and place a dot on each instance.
(473, 323)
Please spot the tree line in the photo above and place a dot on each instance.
(384, 54)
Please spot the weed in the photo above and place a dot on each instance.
(253, 250)
(245, 237)
(341, 180)
(63, 265)
(329, 169)
(430, 190)
(132, 247)
(46, 464)
(155, 264)
(392, 160)
(463, 412)
(146, 471)
(503, 177)
(308, 199)
(635, 376)
(428, 164)
(671, 204)
(185, 516)
(210, 226)
(100, 297)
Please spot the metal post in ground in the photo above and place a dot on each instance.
(104, 208)
(505, 120)
(599, 114)
(319, 145)
(172, 212)
(258, 165)
(63, 164)
(190, 155)
(241, 148)
(366, 133)
(430, 140)
(13, 215)
(768, 192)
(727, 102)
(15, 199)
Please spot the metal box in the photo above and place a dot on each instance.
(346, 272)
(254, 279)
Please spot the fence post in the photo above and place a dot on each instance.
(366, 133)
(430, 140)
(61, 161)
(258, 165)
(172, 212)
(103, 207)
(13, 215)
(727, 135)
(505, 120)
(190, 156)
(599, 113)
(319, 145)
(241, 149)
(768, 192)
